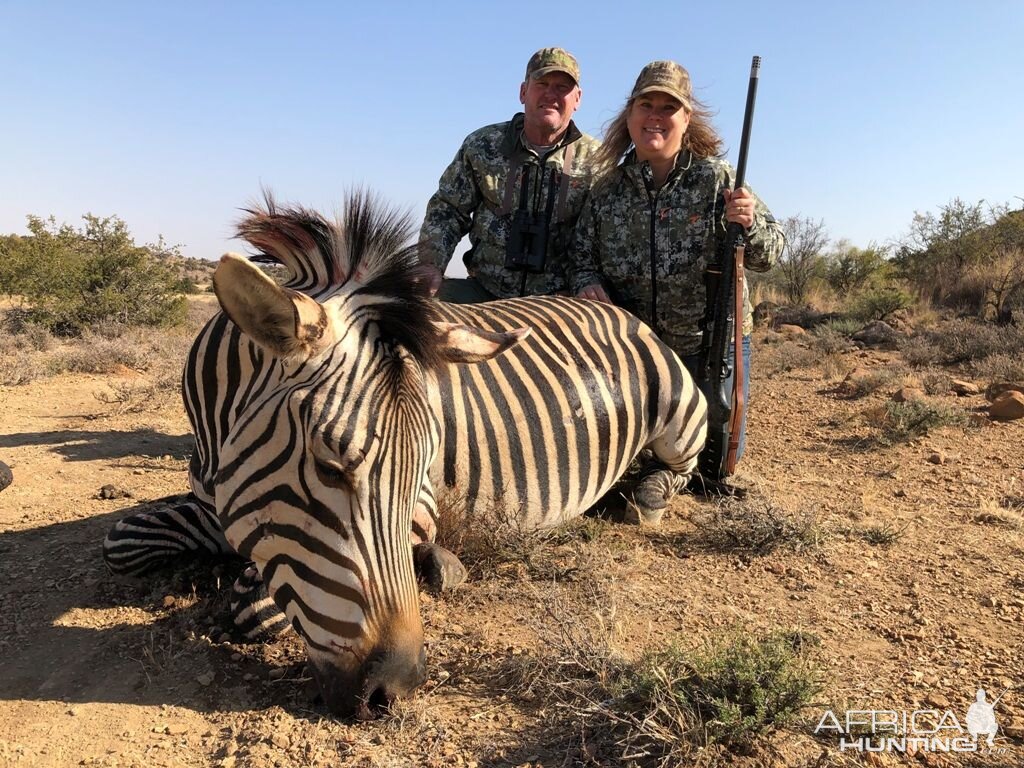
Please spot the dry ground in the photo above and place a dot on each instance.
(913, 583)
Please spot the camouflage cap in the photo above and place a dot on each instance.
(667, 77)
(548, 60)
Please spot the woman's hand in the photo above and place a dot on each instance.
(739, 207)
(594, 292)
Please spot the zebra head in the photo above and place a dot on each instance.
(320, 474)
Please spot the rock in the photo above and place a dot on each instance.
(995, 390)
(109, 491)
(791, 330)
(281, 741)
(204, 679)
(878, 335)
(853, 384)
(1007, 406)
(168, 601)
(900, 322)
(963, 388)
(277, 673)
(1014, 729)
(907, 394)
(937, 457)
(978, 420)
(989, 602)
(937, 700)
(6, 476)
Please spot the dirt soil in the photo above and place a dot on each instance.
(915, 591)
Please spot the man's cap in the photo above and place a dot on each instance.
(548, 60)
(667, 77)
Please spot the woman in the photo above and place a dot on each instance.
(657, 219)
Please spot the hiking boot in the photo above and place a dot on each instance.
(731, 486)
(656, 487)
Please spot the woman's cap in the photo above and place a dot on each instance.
(667, 77)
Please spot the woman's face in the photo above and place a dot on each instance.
(656, 125)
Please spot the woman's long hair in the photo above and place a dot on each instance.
(700, 138)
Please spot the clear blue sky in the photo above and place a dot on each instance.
(172, 115)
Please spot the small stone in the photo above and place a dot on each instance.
(1014, 729)
(280, 740)
(936, 457)
(989, 602)
(204, 679)
(277, 673)
(907, 394)
(168, 601)
(224, 638)
(937, 700)
(236, 657)
(109, 491)
(1007, 407)
(963, 388)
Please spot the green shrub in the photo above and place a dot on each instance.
(70, 279)
(733, 691)
(901, 422)
(877, 302)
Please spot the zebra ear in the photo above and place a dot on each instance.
(284, 322)
(464, 344)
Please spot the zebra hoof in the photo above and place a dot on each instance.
(6, 477)
(437, 568)
(255, 615)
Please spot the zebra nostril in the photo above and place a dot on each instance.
(375, 703)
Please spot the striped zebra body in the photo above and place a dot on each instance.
(328, 412)
(545, 429)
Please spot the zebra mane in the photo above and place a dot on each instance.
(365, 250)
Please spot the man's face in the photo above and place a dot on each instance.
(549, 102)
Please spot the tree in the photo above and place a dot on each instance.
(72, 278)
(849, 268)
(802, 259)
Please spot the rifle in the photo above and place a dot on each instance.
(725, 298)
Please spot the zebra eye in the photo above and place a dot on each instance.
(332, 475)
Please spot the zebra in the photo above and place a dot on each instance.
(327, 411)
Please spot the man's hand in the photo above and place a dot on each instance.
(594, 292)
(739, 207)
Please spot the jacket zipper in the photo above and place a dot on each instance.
(653, 199)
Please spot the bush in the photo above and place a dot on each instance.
(72, 279)
(732, 692)
(877, 302)
(901, 422)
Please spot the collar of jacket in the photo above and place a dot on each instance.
(639, 171)
(513, 141)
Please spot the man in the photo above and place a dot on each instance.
(517, 189)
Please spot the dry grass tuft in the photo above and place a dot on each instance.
(491, 538)
(758, 525)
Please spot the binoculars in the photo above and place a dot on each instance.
(527, 246)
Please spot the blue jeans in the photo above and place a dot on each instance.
(692, 363)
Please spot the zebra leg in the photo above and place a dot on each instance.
(675, 459)
(176, 526)
(253, 612)
(438, 569)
